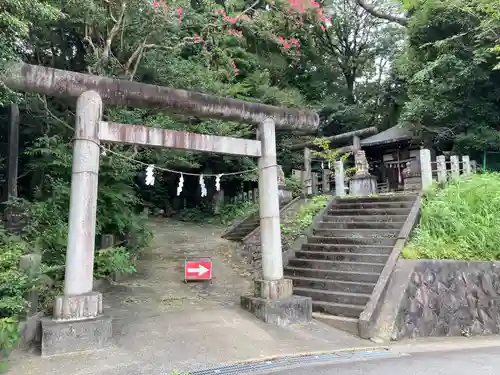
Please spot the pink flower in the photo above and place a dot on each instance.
(180, 12)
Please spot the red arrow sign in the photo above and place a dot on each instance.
(200, 269)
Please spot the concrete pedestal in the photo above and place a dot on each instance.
(78, 325)
(274, 303)
(362, 185)
(71, 336)
(285, 194)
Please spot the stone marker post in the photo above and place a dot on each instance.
(315, 182)
(466, 165)
(455, 166)
(307, 175)
(273, 301)
(326, 180)
(78, 323)
(13, 151)
(426, 168)
(441, 168)
(473, 166)
(339, 178)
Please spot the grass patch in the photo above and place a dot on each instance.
(459, 221)
(293, 228)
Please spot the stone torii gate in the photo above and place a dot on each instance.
(78, 322)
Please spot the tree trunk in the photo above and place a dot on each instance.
(349, 79)
(375, 13)
(64, 84)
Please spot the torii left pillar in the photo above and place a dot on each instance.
(273, 300)
(78, 323)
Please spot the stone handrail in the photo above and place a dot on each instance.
(282, 210)
(371, 312)
(302, 239)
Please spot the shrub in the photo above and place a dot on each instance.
(112, 260)
(226, 214)
(14, 283)
(459, 221)
(304, 218)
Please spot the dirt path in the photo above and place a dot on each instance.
(161, 324)
(158, 285)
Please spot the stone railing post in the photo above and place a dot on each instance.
(78, 313)
(315, 183)
(473, 166)
(30, 265)
(307, 175)
(285, 194)
(426, 168)
(339, 178)
(441, 168)
(455, 166)
(467, 170)
(273, 300)
(326, 180)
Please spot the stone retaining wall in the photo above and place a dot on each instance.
(250, 249)
(447, 298)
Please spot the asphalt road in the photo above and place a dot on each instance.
(484, 361)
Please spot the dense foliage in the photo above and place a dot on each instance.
(459, 221)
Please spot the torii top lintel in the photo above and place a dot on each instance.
(62, 83)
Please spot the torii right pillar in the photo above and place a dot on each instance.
(273, 300)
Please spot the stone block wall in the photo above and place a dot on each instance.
(450, 298)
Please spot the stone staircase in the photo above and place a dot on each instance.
(240, 231)
(342, 260)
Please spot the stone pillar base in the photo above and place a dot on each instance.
(274, 303)
(78, 325)
(79, 307)
(285, 194)
(72, 336)
(362, 185)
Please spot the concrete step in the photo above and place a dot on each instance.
(234, 238)
(379, 198)
(342, 257)
(332, 296)
(370, 205)
(364, 218)
(340, 322)
(339, 309)
(249, 226)
(368, 211)
(337, 248)
(357, 233)
(357, 276)
(334, 285)
(363, 225)
(336, 266)
(352, 240)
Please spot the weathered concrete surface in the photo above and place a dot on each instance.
(161, 324)
(479, 361)
(279, 311)
(61, 337)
